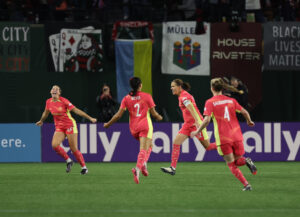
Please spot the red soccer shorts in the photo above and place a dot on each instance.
(69, 130)
(142, 133)
(237, 148)
(186, 129)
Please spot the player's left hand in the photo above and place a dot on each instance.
(93, 120)
(194, 133)
(159, 118)
(251, 124)
(106, 125)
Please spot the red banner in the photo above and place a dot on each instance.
(238, 54)
(132, 24)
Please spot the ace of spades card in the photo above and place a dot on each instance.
(80, 49)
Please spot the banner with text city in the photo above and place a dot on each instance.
(14, 47)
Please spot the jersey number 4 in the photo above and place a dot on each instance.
(226, 114)
(138, 109)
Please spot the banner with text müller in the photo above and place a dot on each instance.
(282, 46)
(184, 52)
(14, 47)
(264, 142)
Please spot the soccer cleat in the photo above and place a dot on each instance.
(69, 166)
(169, 170)
(251, 166)
(144, 170)
(135, 176)
(247, 188)
(84, 171)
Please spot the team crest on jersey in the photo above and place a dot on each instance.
(187, 55)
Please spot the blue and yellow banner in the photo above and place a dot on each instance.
(133, 59)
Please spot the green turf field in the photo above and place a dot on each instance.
(198, 189)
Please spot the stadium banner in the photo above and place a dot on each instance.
(184, 52)
(282, 46)
(14, 47)
(238, 54)
(133, 58)
(263, 142)
(74, 47)
(20, 143)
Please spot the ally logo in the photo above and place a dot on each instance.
(187, 55)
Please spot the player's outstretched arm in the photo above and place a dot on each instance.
(83, 114)
(115, 118)
(155, 114)
(43, 118)
(204, 124)
(246, 115)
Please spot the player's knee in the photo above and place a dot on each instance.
(73, 148)
(55, 145)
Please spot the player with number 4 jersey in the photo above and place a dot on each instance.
(227, 131)
(139, 105)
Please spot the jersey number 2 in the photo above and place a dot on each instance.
(226, 114)
(138, 109)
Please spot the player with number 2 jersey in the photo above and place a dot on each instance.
(139, 105)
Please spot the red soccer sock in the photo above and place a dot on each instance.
(148, 154)
(212, 146)
(237, 173)
(79, 158)
(141, 159)
(240, 161)
(175, 155)
(60, 151)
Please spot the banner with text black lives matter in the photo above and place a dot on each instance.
(14, 47)
(184, 52)
(282, 46)
(238, 54)
(74, 47)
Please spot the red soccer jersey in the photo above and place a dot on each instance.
(223, 110)
(184, 98)
(61, 112)
(138, 107)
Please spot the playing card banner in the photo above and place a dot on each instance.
(14, 47)
(74, 47)
(184, 52)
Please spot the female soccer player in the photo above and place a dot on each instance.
(192, 119)
(138, 104)
(65, 126)
(228, 134)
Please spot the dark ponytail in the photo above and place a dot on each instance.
(184, 85)
(135, 83)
